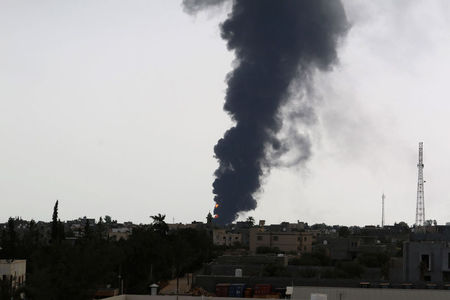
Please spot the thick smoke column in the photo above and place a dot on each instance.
(275, 42)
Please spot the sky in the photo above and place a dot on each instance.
(114, 107)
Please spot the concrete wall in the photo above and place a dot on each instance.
(304, 293)
(438, 253)
(147, 297)
(121, 297)
(209, 282)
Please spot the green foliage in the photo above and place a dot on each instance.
(350, 269)
(317, 258)
(72, 269)
(55, 227)
(209, 218)
(9, 240)
(344, 231)
(159, 225)
(108, 219)
(373, 260)
(376, 260)
(308, 273)
(273, 270)
(267, 250)
(306, 259)
(403, 227)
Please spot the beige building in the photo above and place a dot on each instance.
(178, 226)
(306, 241)
(221, 237)
(119, 233)
(13, 270)
(286, 241)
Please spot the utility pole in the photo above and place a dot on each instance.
(382, 210)
(420, 205)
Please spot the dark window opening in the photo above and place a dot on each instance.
(275, 238)
(425, 262)
(259, 238)
(446, 276)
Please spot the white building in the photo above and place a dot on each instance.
(13, 270)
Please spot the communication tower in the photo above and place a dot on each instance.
(382, 209)
(420, 205)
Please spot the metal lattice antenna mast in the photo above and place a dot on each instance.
(382, 210)
(420, 206)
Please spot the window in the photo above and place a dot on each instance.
(259, 237)
(446, 276)
(305, 238)
(425, 262)
(275, 238)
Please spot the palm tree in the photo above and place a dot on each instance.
(159, 225)
(250, 221)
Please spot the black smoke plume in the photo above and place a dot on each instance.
(275, 43)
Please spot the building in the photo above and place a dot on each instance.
(13, 271)
(119, 233)
(284, 241)
(222, 237)
(426, 261)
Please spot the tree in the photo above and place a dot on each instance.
(9, 240)
(250, 221)
(430, 223)
(402, 226)
(159, 225)
(343, 231)
(55, 225)
(87, 230)
(100, 229)
(209, 218)
(108, 220)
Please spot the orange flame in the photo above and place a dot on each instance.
(217, 205)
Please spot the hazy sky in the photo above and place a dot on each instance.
(113, 107)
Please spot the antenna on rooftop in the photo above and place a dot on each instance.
(420, 205)
(382, 209)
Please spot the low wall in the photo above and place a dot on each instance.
(121, 297)
(209, 282)
(304, 293)
(147, 297)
